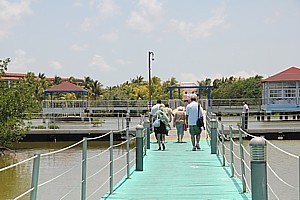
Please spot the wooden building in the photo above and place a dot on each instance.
(281, 92)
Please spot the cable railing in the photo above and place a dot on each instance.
(235, 154)
(96, 172)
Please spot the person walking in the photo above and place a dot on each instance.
(186, 98)
(170, 115)
(193, 112)
(193, 95)
(154, 109)
(161, 130)
(179, 122)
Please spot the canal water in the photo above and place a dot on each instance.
(17, 180)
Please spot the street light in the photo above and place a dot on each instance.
(150, 58)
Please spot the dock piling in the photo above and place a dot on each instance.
(139, 147)
(258, 168)
(214, 134)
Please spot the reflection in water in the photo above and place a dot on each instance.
(17, 180)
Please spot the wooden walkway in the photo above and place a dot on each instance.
(180, 173)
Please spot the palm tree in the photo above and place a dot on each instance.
(88, 82)
(96, 88)
(57, 80)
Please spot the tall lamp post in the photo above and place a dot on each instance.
(150, 58)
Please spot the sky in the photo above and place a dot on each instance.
(110, 40)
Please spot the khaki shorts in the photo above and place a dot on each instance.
(194, 130)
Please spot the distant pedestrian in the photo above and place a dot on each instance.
(245, 115)
(179, 122)
(193, 95)
(193, 112)
(245, 107)
(162, 129)
(170, 114)
(186, 99)
(154, 109)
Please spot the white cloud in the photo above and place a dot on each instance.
(99, 63)
(11, 15)
(191, 77)
(108, 8)
(113, 36)
(87, 24)
(79, 48)
(21, 61)
(149, 14)
(56, 65)
(273, 18)
(204, 29)
(105, 9)
(77, 4)
(123, 62)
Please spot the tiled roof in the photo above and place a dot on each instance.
(290, 74)
(66, 87)
(9, 76)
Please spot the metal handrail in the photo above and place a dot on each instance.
(33, 189)
(233, 156)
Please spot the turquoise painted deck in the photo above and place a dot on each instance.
(179, 173)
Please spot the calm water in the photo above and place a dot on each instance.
(18, 180)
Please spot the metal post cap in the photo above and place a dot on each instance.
(139, 127)
(257, 141)
(139, 131)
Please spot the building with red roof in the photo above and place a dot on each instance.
(281, 91)
(7, 76)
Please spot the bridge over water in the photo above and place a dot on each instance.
(219, 170)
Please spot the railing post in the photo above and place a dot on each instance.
(214, 134)
(299, 177)
(223, 145)
(242, 159)
(111, 159)
(139, 147)
(127, 149)
(258, 168)
(245, 119)
(127, 119)
(231, 151)
(147, 126)
(83, 169)
(35, 177)
(118, 121)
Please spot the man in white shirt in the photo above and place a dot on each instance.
(245, 107)
(191, 118)
(193, 95)
(245, 114)
(155, 108)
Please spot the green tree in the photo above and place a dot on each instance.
(236, 88)
(16, 104)
(57, 80)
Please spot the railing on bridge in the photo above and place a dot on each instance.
(233, 153)
(80, 106)
(113, 166)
